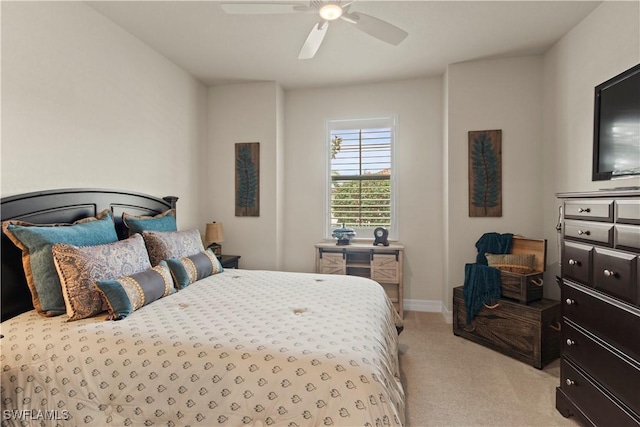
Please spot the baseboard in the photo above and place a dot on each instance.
(429, 306)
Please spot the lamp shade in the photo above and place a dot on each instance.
(214, 232)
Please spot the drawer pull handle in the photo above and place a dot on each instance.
(574, 262)
(570, 301)
(492, 307)
(585, 232)
(609, 273)
(557, 327)
(538, 282)
(584, 210)
(570, 382)
(570, 342)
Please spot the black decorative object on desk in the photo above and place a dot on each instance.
(381, 235)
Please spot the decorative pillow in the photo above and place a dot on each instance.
(127, 294)
(165, 221)
(516, 263)
(35, 242)
(80, 267)
(172, 244)
(188, 270)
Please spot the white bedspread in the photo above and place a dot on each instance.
(238, 348)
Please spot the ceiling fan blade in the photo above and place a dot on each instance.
(259, 8)
(376, 27)
(314, 40)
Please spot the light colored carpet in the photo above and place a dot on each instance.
(450, 381)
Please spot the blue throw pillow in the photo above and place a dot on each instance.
(188, 270)
(165, 221)
(36, 240)
(128, 294)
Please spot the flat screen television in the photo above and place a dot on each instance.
(616, 135)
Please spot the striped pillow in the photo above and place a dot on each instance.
(128, 294)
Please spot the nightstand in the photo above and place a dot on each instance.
(229, 261)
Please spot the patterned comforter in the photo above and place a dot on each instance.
(242, 347)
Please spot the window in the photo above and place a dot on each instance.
(360, 175)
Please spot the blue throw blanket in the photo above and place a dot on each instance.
(482, 283)
(493, 243)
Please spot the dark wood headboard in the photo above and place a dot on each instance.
(61, 206)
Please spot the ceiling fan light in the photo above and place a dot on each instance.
(330, 12)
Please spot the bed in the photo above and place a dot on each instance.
(241, 347)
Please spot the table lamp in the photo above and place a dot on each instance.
(214, 235)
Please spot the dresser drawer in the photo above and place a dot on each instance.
(620, 374)
(615, 273)
(607, 318)
(627, 237)
(593, 402)
(576, 261)
(589, 232)
(628, 211)
(595, 210)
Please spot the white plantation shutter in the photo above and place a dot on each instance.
(361, 174)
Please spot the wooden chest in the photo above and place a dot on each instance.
(525, 287)
(529, 333)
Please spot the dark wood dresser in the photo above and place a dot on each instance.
(600, 304)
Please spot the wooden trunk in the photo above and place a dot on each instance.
(529, 333)
(525, 287)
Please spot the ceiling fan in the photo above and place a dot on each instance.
(329, 10)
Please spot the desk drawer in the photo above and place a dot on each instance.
(332, 263)
(615, 273)
(594, 210)
(384, 268)
(628, 211)
(627, 237)
(576, 262)
(604, 364)
(596, 405)
(589, 232)
(605, 317)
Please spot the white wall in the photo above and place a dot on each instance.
(245, 113)
(483, 95)
(417, 104)
(85, 104)
(604, 44)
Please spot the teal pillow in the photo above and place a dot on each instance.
(128, 294)
(36, 240)
(188, 270)
(165, 221)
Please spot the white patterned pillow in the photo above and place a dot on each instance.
(172, 244)
(80, 267)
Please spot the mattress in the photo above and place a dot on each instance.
(242, 347)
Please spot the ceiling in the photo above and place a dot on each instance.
(218, 48)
